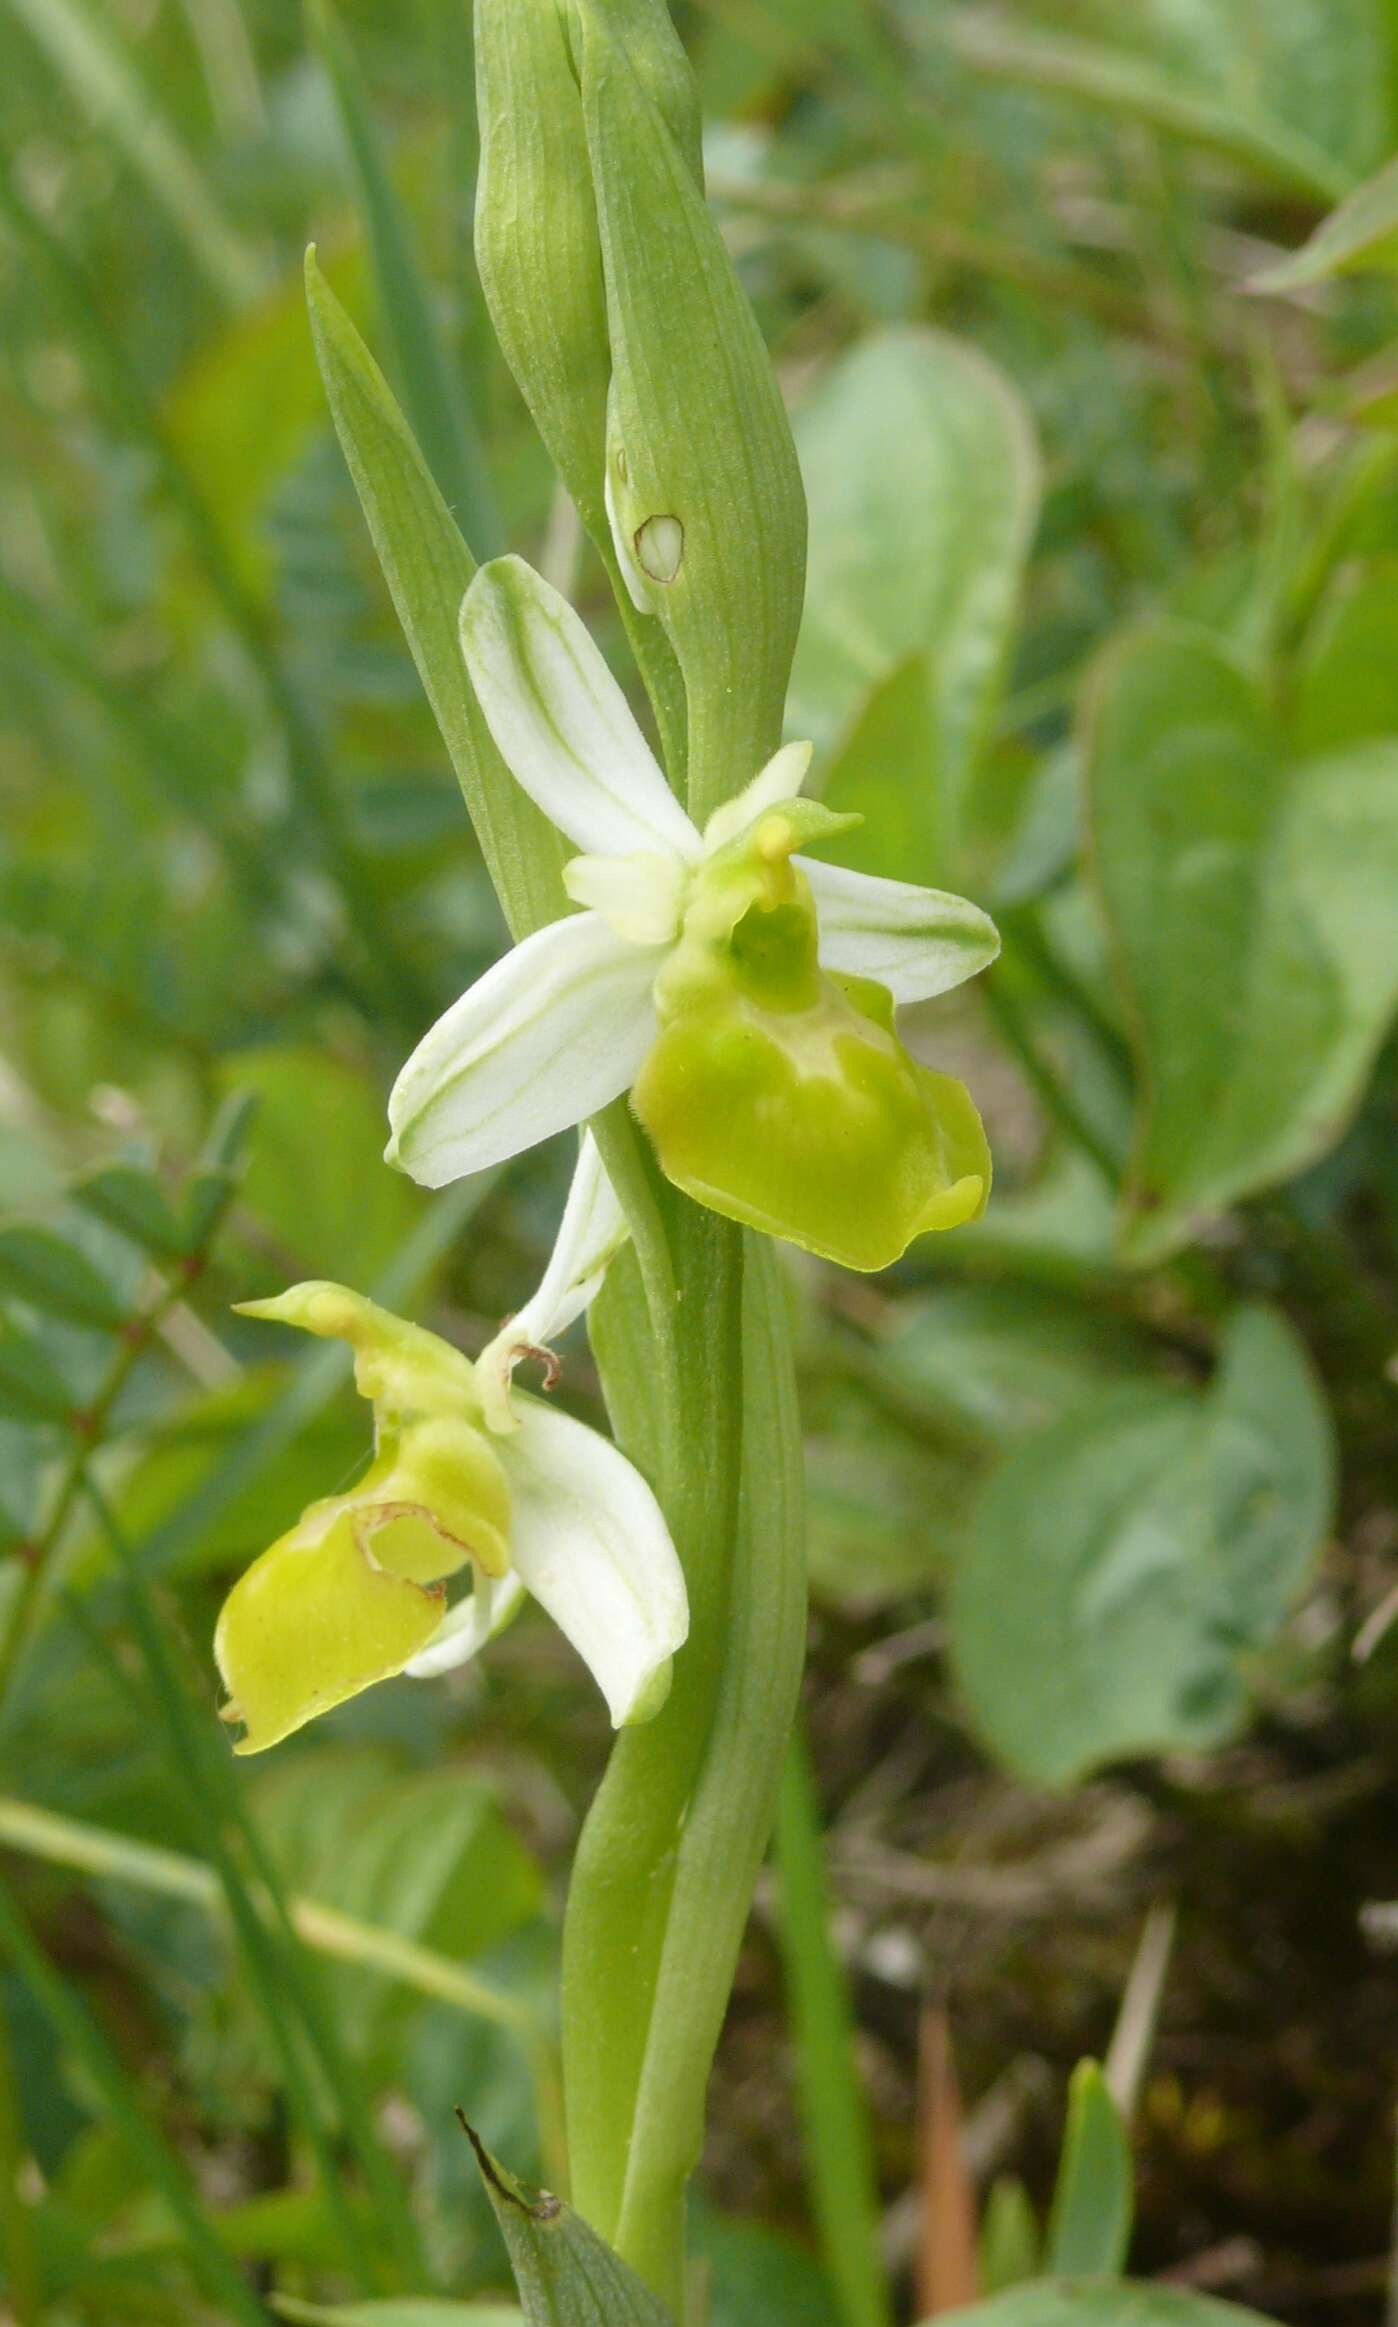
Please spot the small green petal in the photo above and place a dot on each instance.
(315, 1620)
(398, 1366)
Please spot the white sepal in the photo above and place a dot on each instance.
(561, 722)
(553, 1032)
(590, 1542)
(916, 942)
(466, 1628)
(780, 780)
(592, 1231)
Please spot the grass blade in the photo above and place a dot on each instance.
(839, 2145)
(213, 2265)
(100, 73)
(384, 977)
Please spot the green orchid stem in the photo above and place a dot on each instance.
(702, 1395)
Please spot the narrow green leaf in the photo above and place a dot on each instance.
(1251, 904)
(922, 473)
(835, 2112)
(567, 2276)
(427, 566)
(1089, 2227)
(1129, 1557)
(31, 1387)
(1361, 233)
(131, 1199)
(434, 389)
(53, 1275)
(1121, 2303)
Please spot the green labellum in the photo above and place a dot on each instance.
(813, 1122)
(317, 1618)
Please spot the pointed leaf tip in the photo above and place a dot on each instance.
(567, 2276)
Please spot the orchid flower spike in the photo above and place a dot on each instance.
(468, 1475)
(742, 993)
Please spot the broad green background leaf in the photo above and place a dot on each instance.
(1089, 2228)
(1362, 232)
(247, 404)
(1346, 679)
(567, 2275)
(1251, 906)
(1002, 1358)
(1119, 2304)
(1297, 92)
(757, 2274)
(922, 476)
(1317, 68)
(315, 1174)
(1126, 1559)
(403, 2311)
(887, 1516)
(427, 1855)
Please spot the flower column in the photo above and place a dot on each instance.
(643, 366)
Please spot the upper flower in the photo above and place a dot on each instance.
(743, 993)
(466, 1473)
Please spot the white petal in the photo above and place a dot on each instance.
(592, 1231)
(465, 1629)
(590, 1541)
(914, 941)
(780, 780)
(548, 1036)
(561, 721)
(641, 897)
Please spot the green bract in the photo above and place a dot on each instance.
(608, 283)
(465, 1473)
(745, 993)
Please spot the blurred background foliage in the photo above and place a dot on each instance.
(1102, 630)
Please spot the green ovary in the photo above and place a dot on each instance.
(813, 1124)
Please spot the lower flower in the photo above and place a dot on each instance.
(467, 1474)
